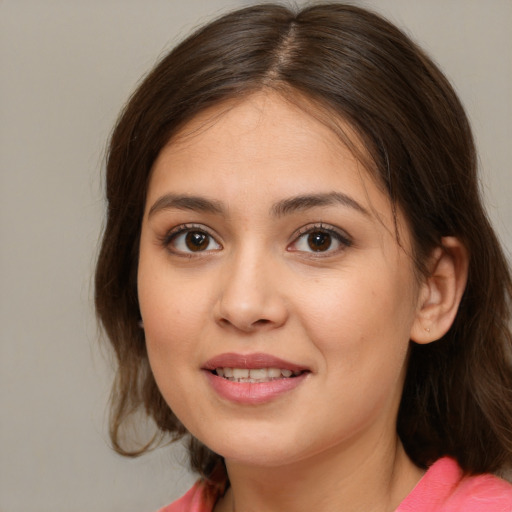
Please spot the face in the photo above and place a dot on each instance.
(277, 303)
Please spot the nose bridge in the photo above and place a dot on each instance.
(249, 297)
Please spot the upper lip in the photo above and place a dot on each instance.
(251, 361)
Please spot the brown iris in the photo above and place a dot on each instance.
(197, 241)
(319, 241)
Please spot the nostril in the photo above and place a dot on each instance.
(224, 322)
(262, 321)
(258, 323)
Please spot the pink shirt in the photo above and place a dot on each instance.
(442, 489)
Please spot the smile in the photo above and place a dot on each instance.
(253, 379)
(255, 375)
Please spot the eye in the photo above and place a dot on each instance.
(320, 239)
(189, 240)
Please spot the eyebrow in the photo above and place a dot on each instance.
(186, 202)
(307, 201)
(279, 209)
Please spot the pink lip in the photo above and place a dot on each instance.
(254, 361)
(252, 393)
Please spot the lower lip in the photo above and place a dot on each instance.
(253, 393)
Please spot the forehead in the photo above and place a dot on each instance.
(261, 150)
(263, 128)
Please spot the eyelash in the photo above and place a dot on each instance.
(339, 236)
(183, 229)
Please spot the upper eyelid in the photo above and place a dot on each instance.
(181, 228)
(321, 226)
(303, 230)
(187, 226)
(343, 241)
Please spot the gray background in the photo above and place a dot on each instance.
(66, 69)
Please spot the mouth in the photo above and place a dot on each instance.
(253, 368)
(253, 379)
(255, 375)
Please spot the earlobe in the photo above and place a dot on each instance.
(441, 291)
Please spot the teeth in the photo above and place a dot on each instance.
(259, 374)
(240, 373)
(254, 374)
(274, 373)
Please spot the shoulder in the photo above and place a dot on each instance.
(197, 499)
(444, 488)
(202, 496)
(483, 493)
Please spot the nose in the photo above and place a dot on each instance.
(251, 296)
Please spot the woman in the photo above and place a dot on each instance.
(297, 272)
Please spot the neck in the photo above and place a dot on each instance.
(376, 482)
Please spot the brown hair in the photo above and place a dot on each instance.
(457, 398)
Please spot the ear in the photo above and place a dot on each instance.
(441, 291)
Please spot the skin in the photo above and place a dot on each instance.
(346, 313)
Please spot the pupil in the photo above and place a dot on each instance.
(319, 241)
(196, 241)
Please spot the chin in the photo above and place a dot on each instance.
(270, 458)
(254, 451)
(257, 449)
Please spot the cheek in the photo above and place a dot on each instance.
(171, 321)
(359, 316)
(173, 310)
(172, 325)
